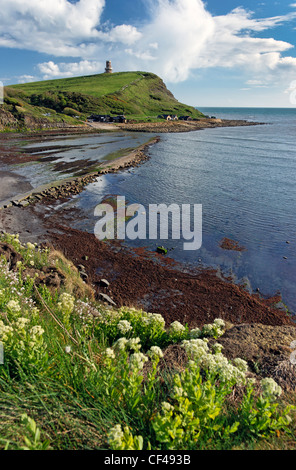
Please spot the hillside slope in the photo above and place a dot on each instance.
(137, 95)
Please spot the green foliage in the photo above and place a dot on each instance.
(124, 440)
(63, 102)
(33, 438)
(135, 94)
(93, 377)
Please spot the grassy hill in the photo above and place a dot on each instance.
(137, 95)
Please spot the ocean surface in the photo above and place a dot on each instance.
(244, 177)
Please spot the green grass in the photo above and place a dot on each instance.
(94, 85)
(138, 95)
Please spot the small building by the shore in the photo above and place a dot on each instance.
(185, 118)
(107, 118)
(167, 117)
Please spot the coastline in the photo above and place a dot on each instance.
(137, 277)
(74, 185)
(185, 126)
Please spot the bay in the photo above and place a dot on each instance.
(244, 177)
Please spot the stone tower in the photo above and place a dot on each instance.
(108, 68)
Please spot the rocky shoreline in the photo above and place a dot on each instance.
(73, 186)
(184, 126)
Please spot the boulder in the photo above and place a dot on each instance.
(106, 298)
(104, 283)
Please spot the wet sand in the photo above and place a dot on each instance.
(19, 191)
(12, 185)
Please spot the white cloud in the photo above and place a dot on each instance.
(84, 67)
(125, 34)
(59, 27)
(26, 78)
(189, 38)
(180, 36)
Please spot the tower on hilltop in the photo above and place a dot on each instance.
(108, 68)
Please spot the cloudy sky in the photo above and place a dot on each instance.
(214, 53)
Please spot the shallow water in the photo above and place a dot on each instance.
(67, 156)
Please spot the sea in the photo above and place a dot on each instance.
(245, 180)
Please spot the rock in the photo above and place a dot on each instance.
(84, 275)
(162, 250)
(107, 299)
(104, 283)
(11, 255)
(23, 203)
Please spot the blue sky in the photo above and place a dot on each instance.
(214, 53)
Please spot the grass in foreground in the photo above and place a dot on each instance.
(78, 375)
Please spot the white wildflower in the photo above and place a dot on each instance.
(195, 348)
(66, 303)
(121, 344)
(110, 353)
(13, 306)
(135, 344)
(115, 436)
(251, 381)
(30, 246)
(166, 407)
(195, 333)
(241, 364)
(155, 351)
(176, 327)
(208, 330)
(5, 331)
(124, 326)
(179, 392)
(68, 349)
(217, 348)
(270, 388)
(219, 322)
(36, 330)
(21, 323)
(153, 319)
(137, 360)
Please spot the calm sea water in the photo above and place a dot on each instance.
(244, 177)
